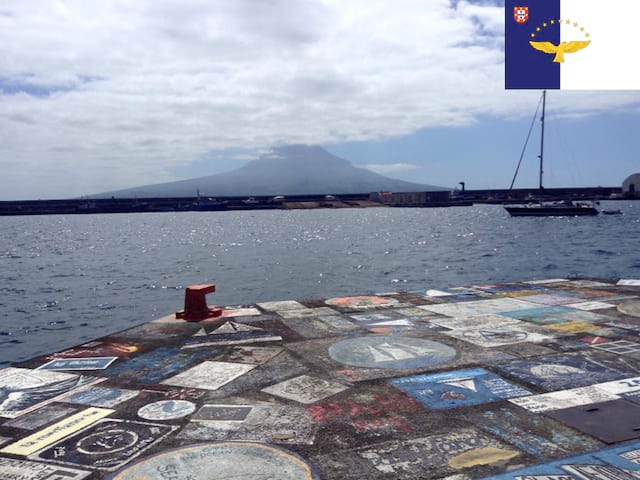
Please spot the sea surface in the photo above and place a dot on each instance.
(68, 279)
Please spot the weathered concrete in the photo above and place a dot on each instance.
(524, 380)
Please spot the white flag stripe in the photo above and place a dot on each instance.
(610, 61)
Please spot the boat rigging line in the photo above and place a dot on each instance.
(524, 149)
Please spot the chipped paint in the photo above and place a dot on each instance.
(482, 456)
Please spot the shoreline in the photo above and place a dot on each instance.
(434, 199)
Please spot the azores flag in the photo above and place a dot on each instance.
(572, 44)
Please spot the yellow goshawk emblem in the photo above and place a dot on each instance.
(560, 50)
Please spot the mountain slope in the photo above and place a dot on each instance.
(288, 170)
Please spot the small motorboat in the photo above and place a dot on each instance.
(612, 212)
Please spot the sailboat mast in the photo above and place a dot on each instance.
(544, 103)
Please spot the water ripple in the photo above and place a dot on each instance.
(65, 279)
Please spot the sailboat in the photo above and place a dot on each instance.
(548, 209)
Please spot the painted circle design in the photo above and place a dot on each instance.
(361, 301)
(167, 410)
(630, 308)
(218, 461)
(110, 441)
(391, 351)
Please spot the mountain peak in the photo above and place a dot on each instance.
(299, 156)
(300, 150)
(284, 170)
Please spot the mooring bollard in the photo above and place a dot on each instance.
(195, 304)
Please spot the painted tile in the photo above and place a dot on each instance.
(552, 299)
(101, 396)
(619, 463)
(268, 423)
(586, 316)
(632, 396)
(26, 470)
(230, 333)
(319, 327)
(389, 351)
(25, 390)
(53, 433)
(127, 440)
(630, 308)
(222, 413)
(338, 323)
(373, 317)
(361, 302)
(157, 330)
(240, 312)
(624, 323)
(209, 375)
(458, 389)
(561, 372)
(252, 355)
(231, 460)
(588, 306)
(85, 363)
(167, 410)
(482, 321)
(191, 394)
(498, 336)
(401, 322)
(308, 312)
(454, 451)
(279, 368)
(539, 315)
(306, 389)
(154, 366)
(626, 385)
(594, 340)
(41, 417)
(537, 435)
(573, 326)
(574, 397)
(619, 347)
(413, 312)
(610, 422)
(281, 306)
(626, 457)
(476, 308)
(99, 349)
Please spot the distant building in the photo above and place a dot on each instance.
(410, 198)
(631, 186)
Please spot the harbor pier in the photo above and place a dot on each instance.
(537, 379)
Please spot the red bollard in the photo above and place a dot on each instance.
(195, 304)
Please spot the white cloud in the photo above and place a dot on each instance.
(391, 168)
(139, 89)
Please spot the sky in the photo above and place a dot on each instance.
(99, 96)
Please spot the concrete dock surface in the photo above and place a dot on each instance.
(525, 380)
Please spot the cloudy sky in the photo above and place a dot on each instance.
(97, 96)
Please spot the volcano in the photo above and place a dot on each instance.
(285, 170)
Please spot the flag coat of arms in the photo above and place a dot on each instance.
(521, 14)
(571, 44)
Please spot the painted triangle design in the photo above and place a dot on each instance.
(231, 333)
(464, 383)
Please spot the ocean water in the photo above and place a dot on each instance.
(69, 279)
